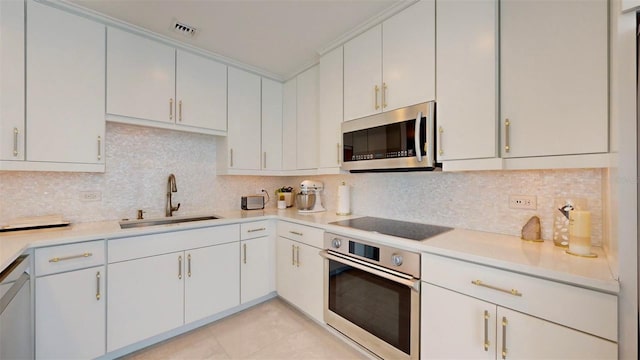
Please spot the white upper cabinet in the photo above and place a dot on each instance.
(307, 110)
(408, 56)
(363, 74)
(65, 87)
(243, 149)
(330, 112)
(140, 77)
(201, 92)
(289, 124)
(466, 84)
(391, 65)
(12, 80)
(271, 125)
(553, 77)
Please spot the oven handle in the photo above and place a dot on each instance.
(412, 282)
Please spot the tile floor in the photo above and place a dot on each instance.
(271, 330)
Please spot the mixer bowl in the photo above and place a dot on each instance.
(305, 201)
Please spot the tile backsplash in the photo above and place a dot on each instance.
(140, 159)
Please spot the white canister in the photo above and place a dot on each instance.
(580, 232)
(344, 200)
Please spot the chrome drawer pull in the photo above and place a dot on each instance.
(15, 141)
(98, 285)
(254, 230)
(244, 253)
(189, 265)
(179, 267)
(507, 145)
(296, 233)
(58, 259)
(513, 292)
(99, 148)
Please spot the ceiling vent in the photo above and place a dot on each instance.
(184, 29)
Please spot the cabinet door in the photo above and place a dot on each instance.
(16, 331)
(553, 77)
(455, 326)
(271, 125)
(11, 80)
(140, 77)
(363, 74)
(201, 92)
(146, 298)
(289, 124)
(70, 315)
(286, 269)
(309, 280)
(244, 133)
(65, 86)
(212, 281)
(256, 268)
(307, 123)
(408, 56)
(466, 79)
(522, 336)
(330, 109)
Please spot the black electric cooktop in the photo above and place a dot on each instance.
(402, 229)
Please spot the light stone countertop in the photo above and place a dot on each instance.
(542, 260)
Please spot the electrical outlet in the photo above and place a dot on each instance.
(90, 195)
(260, 191)
(523, 202)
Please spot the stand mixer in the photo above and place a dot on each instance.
(315, 188)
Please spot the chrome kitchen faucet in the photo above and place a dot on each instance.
(171, 187)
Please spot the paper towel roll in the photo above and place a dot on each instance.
(344, 200)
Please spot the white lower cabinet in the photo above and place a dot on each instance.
(257, 260)
(146, 298)
(212, 281)
(70, 314)
(300, 271)
(474, 311)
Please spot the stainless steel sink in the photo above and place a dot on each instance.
(128, 224)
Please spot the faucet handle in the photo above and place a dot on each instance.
(140, 214)
(176, 208)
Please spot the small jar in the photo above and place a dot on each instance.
(561, 208)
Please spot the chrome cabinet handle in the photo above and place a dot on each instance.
(376, 91)
(513, 292)
(297, 256)
(295, 233)
(416, 137)
(99, 148)
(440, 148)
(231, 157)
(15, 141)
(171, 109)
(189, 265)
(179, 267)
(507, 125)
(338, 154)
(244, 253)
(293, 257)
(58, 259)
(258, 229)
(504, 337)
(98, 285)
(486, 331)
(384, 95)
(180, 110)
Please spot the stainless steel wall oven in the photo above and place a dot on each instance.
(372, 295)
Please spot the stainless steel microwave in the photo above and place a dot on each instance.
(398, 140)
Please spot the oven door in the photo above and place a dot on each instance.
(376, 307)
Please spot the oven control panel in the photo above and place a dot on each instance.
(403, 261)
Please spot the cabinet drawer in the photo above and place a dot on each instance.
(157, 244)
(255, 229)
(55, 259)
(586, 310)
(304, 234)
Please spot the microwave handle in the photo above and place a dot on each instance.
(416, 137)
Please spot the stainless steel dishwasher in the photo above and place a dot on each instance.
(16, 325)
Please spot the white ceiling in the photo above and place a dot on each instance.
(279, 36)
